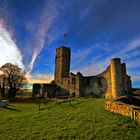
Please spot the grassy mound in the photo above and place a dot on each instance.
(85, 119)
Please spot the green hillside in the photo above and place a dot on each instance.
(86, 119)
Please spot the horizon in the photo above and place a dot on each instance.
(96, 32)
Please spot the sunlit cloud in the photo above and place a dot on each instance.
(9, 51)
(40, 78)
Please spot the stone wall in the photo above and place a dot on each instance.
(107, 75)
(138, 117)
(37, 89)
(95, 86)
(124, 109)
(118, 82)
(112, 83)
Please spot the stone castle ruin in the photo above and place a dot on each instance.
(112, 83)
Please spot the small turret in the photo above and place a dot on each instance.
(116, 77)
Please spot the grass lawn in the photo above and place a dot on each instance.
(86, 119)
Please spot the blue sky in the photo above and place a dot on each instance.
(97, 31)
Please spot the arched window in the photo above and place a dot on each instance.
(73, 81)
(88, 82)
(100, 82)
(73, 94)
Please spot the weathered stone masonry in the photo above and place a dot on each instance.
(124, 109)
(112, 83)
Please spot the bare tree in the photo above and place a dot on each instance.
(12, 79)
(2, 84)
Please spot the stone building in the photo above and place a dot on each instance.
(112, 83)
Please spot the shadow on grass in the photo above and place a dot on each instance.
(71, 103)
(9, 108)
(10, 105)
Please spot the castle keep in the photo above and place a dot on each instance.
(112, 83)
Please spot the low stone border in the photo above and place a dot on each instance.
(124, 109)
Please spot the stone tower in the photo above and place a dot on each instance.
(62, 63)
(116, 77)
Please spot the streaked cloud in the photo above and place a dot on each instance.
(9, 51)
(136, 77)
(98, 63)
(98, 31)
(49, 15)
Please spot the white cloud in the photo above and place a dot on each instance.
(9, 52)
(133, 44)
(136, 77)
(134, 63)
(99, 64)
(125, 48)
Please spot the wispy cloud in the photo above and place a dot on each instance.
(136, 77)
(3, 10)
(94, 68)
(49, 15)
(125, 48)
(82, 55)
(128, 51)
(133, 63)
(87, 53)
(85, 11)
(9, 51)
(98, 63)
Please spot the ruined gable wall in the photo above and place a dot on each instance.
(49, 89)
(118, 82)
(62, 87)
(93, 86)
(68, 85)
(127, 86)
(107, 82)
(80, 87)
(37, 89)
(74, 84)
